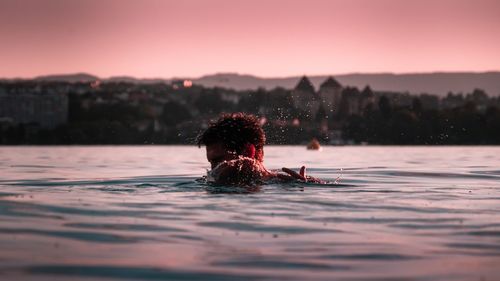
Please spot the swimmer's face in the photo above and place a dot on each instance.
(217, 153)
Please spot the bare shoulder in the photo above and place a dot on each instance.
(239, 171)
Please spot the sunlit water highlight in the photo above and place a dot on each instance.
(138, 213)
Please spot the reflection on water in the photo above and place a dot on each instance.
(138, 213)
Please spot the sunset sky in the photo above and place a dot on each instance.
(270, 38)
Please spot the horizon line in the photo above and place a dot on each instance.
(247, 74)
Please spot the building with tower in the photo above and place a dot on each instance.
(305, 99)
(330, 93)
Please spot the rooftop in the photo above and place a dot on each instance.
(330, 83)
(305, 85)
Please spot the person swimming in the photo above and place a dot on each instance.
(235, 149)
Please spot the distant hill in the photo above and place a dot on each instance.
(439, 83)
(136, 80)
(76, 77)
(85, 77)
(432, 83)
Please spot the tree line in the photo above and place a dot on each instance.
(126, 113)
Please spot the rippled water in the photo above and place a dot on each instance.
(137, 213)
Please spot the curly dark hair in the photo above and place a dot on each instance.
(234, 131)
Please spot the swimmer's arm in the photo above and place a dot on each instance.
(291, 175)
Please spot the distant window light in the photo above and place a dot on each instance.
(95, 84)
(188, 83)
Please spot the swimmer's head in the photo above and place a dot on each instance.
(231, 136)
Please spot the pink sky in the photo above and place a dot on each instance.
(151, 38)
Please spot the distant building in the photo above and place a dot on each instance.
(367, 98)
(429, 101)
(48, 110)
(331, 99)
(452, 100)
(305, 98)
(349, 104)
(179, 84)
(330, 93)
(479, 98)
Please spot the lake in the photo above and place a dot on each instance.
(138, 213)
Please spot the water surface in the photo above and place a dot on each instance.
(138, 213)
